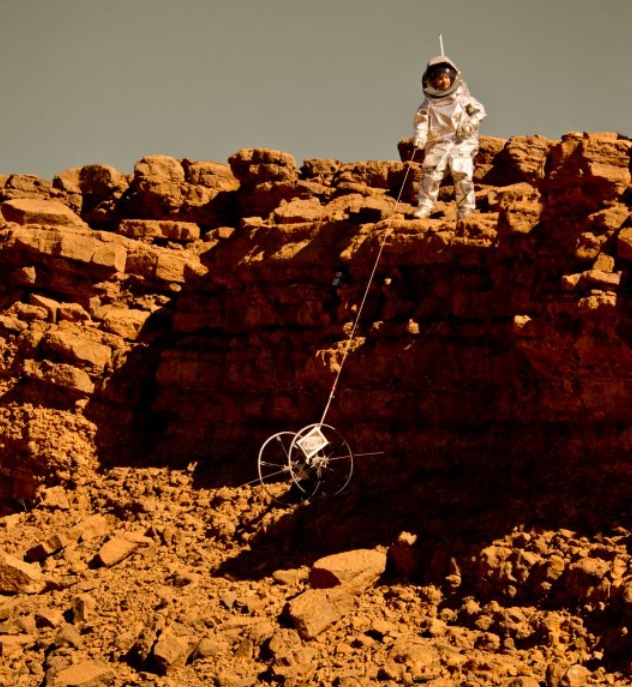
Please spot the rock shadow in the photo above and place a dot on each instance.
(458, 504)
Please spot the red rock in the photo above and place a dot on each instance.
(95, 526)
(49, 617)
(60, 375)
(102, 181)
(17, 576)
(85, 674)
(10, 645)
(68, 181)
(320, 168)
(74, 346)
(172, 652)
(213, 175)
(47, 547)
(160, 167)
(298, 211)
(155, 229)
(115, 550)
(528, 155)
(355, 569)
(315, 610)
(25, 186)
(581, 164)
(39, 211)
(259, 165)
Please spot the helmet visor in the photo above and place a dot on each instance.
(441, 77)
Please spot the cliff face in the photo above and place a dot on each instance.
(187, 312)
(157, 328)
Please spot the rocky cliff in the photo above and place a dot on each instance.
(174, 318)
(187, 311)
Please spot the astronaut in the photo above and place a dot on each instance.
(446, 125)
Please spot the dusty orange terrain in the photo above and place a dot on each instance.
(156, 328)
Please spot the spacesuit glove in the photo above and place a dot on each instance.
(419, 141)
(464, 130)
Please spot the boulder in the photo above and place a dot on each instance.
(115, 550)
(16, 576)
(101, 182)
(39, 211)
(315, 610)
(356, 570)
(213, 175)
(252, 166)
(25, 186)
(172, 651)
(298, 211)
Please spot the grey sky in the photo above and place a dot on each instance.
(109, 81)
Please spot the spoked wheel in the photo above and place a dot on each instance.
(274, 467)
(320, 460)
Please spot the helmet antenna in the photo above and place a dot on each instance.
(441, 45)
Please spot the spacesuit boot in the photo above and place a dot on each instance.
(423, 212)
(462, 170)
(428, 191)
(464, 196)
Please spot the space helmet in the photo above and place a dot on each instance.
(435, 67)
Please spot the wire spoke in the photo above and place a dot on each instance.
(332, 458)
(275, 465)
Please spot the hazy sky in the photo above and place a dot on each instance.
(85, 81)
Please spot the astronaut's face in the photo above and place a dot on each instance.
(441, 82)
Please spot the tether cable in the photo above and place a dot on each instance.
(366, 292)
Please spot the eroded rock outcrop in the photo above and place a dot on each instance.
(223, 325)
(157, 327)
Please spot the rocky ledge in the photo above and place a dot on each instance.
(156, 328)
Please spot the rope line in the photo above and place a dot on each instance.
(366, 293)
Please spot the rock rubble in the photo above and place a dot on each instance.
(536, 607)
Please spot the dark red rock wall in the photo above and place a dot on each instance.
(188, 310)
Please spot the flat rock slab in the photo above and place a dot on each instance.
(115, 550)
(357, 569)
(38, 211)
(316, 609)
(86, 674)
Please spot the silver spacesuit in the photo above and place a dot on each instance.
(446, 125)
